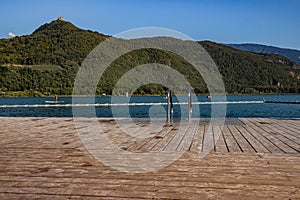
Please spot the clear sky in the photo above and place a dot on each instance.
(271, 22)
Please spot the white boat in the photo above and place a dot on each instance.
(54, 102)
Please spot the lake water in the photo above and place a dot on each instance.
(233, 110)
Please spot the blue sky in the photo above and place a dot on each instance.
(271, 22)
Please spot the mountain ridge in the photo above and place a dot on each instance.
(292, 54)
(65, 46)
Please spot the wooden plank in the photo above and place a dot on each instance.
(266, 142)
(295, 123)
(208, 143)
(233, 121)
(117, 136)
(293, 147)
(246, 121)
(289, 139)
(281, 145)
(282, 129)
(178, 137)
(148, 145)
(154, 131)
(165, 139)
(52, 170)
(242, 142)
(129, 139)
(187, 140)
(281, 132)
(256, 145)
(232, 144)
(148, 130)
(196, 146)
(289, 128)
(221, 145)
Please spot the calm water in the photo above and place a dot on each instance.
(265, 110)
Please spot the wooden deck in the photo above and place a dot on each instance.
(43, 158)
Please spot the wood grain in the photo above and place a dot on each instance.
(43, 158)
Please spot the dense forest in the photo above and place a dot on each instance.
(46, 62)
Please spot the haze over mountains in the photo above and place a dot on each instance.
(292, 54)
(46, 62)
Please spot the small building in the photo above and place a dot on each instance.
(60, 18)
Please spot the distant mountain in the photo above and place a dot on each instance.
(46, 62)
(292, 54)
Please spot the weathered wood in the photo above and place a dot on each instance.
(289, 128)
(178, 137)
(208, 142)
(149, 143)
(268, 144)
(255, 144)
(289, 140)
(261, 128)
(165, 138)
(284, 131)
(197, 142)
(42, 158)
(221, 145)
(231, 142)
(187, 140)
(243, 143)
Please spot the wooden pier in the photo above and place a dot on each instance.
(253, 158)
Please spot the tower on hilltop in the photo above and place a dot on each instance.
(60, 18)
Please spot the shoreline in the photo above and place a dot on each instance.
(184, 120)
(227, 94)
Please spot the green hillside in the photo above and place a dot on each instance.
(46, 62)
(247, 72)
(59, 43)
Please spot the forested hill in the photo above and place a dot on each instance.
(57, 43)
(46, 62)
(248, 72)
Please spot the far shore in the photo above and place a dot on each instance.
(24, 94)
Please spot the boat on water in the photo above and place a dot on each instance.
(54, 102)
